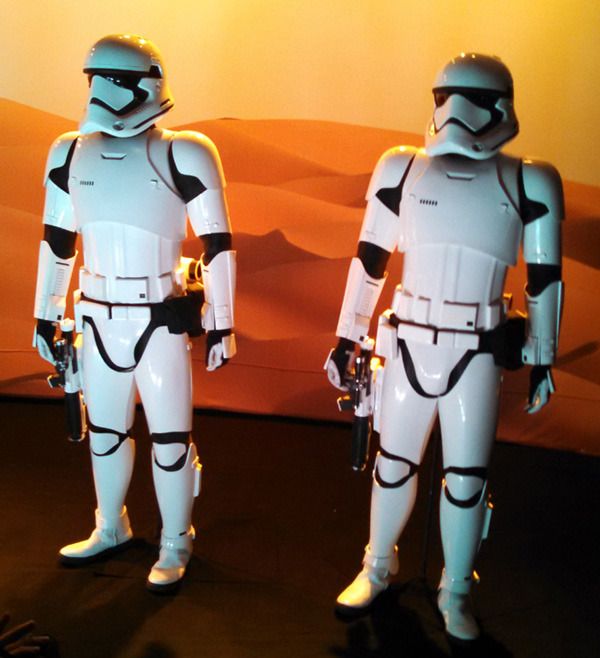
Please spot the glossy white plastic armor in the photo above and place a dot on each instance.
(106, 111)
(218, 278)
(463, 124)
(459, 223)
(123, 195)
(360, 299)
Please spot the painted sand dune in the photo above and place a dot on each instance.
(295, 191)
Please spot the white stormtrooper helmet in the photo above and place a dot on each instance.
(128, 90)
(473, 114)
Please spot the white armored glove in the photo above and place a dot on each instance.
(220, 347)
(541, 387)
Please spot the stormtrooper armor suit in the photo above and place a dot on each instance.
(128, 188)
(458, 210)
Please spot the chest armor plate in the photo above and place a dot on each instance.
(125, 182)
(467, 203)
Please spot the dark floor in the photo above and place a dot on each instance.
(282, 521)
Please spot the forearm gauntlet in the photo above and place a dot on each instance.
(360, 298)
(218, 279)
(543, 324)
(53, 279)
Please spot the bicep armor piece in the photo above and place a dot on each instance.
(198, 174)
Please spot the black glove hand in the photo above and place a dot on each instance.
(340, 362)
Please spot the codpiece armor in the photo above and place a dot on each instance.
(129, 189)
(458, 210)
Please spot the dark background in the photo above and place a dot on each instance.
(282, 521)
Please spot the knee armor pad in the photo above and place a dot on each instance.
(178, 454)
(105, 441)
(464, 487)
(392, 471)
(467, 488)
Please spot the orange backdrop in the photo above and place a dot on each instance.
(319, 90)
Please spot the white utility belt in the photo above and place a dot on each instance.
(453, 316)
(106, 311)
(390, 329)
(130, 290)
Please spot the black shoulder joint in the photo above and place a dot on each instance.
(60, 175)
(189, 187)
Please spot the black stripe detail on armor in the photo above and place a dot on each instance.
(464, 504)
(396, 458)
(60, 175)
(409, 369)
(413, 469)
(392, 196)
(529, 210)
(189, 187)
(540, 276)
(167, 438)
(103, 353)
(106, 430)
(61, 241)
(472, 471)
(458, 370)
(215, 243)
(153, 72)
(373, 258)
(453, 379)
(145, 121)
(144, 339)
(177, 466)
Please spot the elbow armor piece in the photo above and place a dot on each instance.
(218, 279)
(360, 298)
(543, 324)
(54, 277)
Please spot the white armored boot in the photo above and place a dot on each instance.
(108, 538)
(374, 579)
(112, 464)
(454, 604)
(173, 558)
(176, 489)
